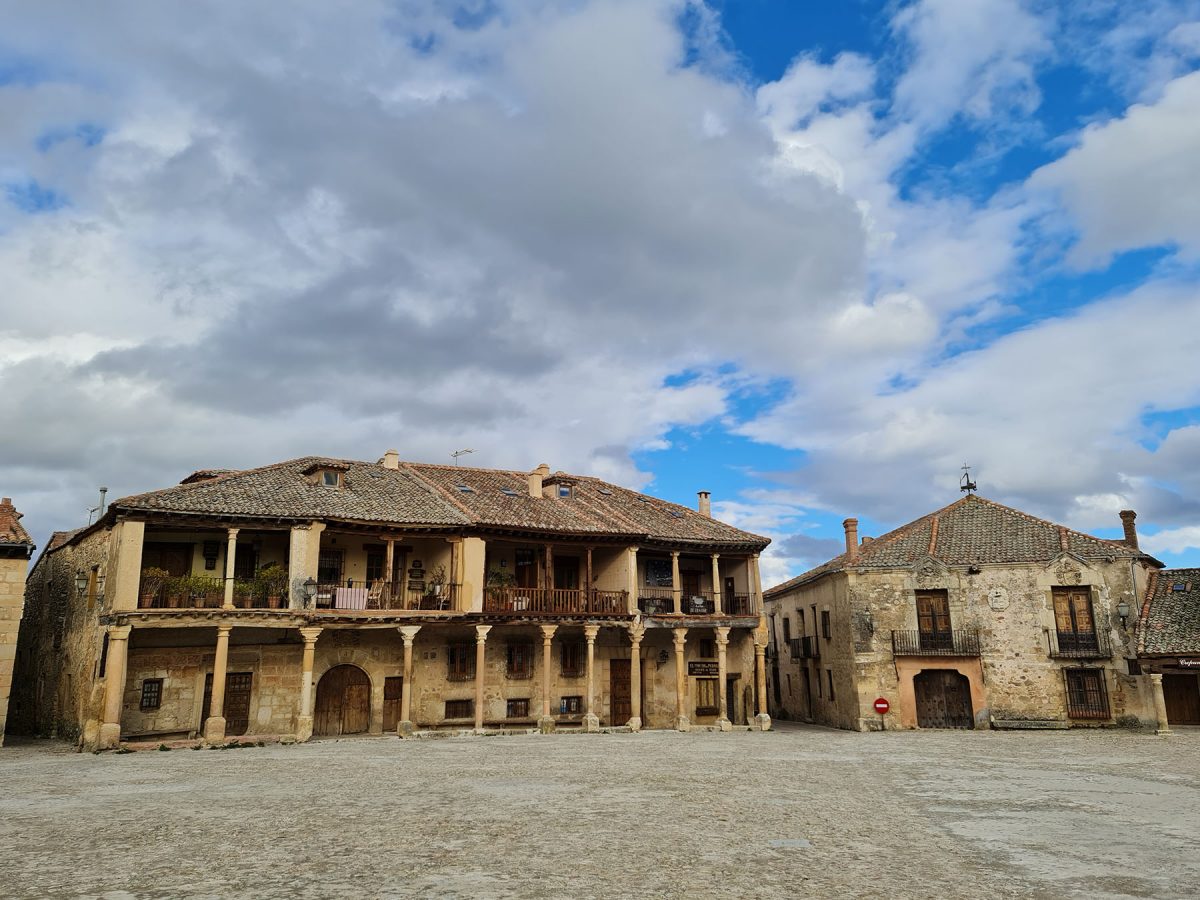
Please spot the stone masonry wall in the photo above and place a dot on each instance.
(12, 599)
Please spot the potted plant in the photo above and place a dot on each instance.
(243, 593)
(272, 583)
(499, 588)
(153, 578)
(435, 583)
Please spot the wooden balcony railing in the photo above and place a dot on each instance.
(1080, 645)
(555, 601)
(384, 595)
(964, 642)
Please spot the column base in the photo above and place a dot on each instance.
(762, 722)
(635, 724)
(110, 736)
(591, 724)
(304, 728)
(405, 729)
(682, 723)
(724, 724)
(214, 730)
(546, 724)
(1165, 732)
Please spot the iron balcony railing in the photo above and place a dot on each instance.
(1079, 645)
(962, 642)
(384, 596)
(555, 601)
(736, 605)
(660, 601)
(184, 592)
(656, 601)
(806, 647)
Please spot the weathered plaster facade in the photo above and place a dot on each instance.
(15, 550)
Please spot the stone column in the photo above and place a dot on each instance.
(304, 723)
(756, 604)
(405, 728)
(762, 720)
(718, 604)
(230, 559)
(1160, 704)
(682, 722)
(591, 721)
(125, 565)
(676, 587)
(723, 722)
(214, 725)
(481, 633)
(637, 631)
(546, 722)
(114, 685)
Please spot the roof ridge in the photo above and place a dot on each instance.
(1144, 615)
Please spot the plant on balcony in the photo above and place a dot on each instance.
(271, 583)
(435, 584)
(499, 585)
(153, 579)
(243, 593)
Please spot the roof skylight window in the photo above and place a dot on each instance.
(508, 492)
(465, 489)
(604, 491)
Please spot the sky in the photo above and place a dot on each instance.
(812, 257)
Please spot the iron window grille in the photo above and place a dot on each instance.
(152, 693)
(460, 662)
(1087, 694)
(460, 709)
(520, 661)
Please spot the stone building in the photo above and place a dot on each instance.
(15, 550)
(324, 596)
(973, 616)
(1169, 644)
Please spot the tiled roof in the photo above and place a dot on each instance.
(418, 494)
(970, 531)
(1170, 620)
(11, 530)
(58, 538)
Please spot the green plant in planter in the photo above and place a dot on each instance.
(243, 593)
(271, 584)
(153, 579)
(500, 584)
(435, 583)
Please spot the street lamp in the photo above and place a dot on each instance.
(1123, 612)
(81, 582)
(310, 591)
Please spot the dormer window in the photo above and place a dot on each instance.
(566, 490)
(328, 475)
(331, 479)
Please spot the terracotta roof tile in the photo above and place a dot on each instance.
(1170, 620)
(12, 532)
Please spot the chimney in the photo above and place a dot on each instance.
(391, 459)
(103, 495)
(535, 480)
(705, 504)
(851, 526)
(1127, 517)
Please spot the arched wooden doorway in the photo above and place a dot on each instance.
(943, 699)
(343, 702)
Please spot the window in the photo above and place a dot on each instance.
(708, 648)
(525, 569)
(518, 709)
(1087, 694)
(570, 706)
(829, 679)
(329, 567)
(330, 478)
(826, 631)
(1073, 620)
(800, 613)
(152, 693)
(572, 658)
(565, 490)
(706, 697)
(933, 620)
(103, 655)
(465, 489)
(460, 661)
(520, 660)
(376, 557)
(787, 630)
(93, 586)
(460, 709)
(508, 492)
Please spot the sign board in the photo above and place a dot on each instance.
(706, 669)
(1190, 663)
(882, 706)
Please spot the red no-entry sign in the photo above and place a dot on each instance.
(882, 706)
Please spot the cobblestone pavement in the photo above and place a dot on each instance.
(796, 812)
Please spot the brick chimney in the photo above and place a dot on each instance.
(1127, 517)
(704, 504)
(851, 526)
(391, 459)
(535, 480)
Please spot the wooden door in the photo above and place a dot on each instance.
(620, 704)
(176, 559)
(731, 697)
(237, 701)
(1182, 693)
(933, 620)
(343, 702)
(393, 687)
(943, 699)
(1073, 619)
(566, 573)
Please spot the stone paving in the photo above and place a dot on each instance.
(796, 812)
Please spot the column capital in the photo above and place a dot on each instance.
(674, 554)
(409, 632)
(223, 631)
(481, 632)
(311, 633)
(590, 632)
(637, 631)
(679, 636)
(548, 632)
(119, 632)
(232, 531)
(1156, 677)
(722, 635)
(716, 556)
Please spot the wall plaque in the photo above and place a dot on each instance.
(705, 669)
(997, 598)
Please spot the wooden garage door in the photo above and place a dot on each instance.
(237, 701)
(343, 702)
(1182, 693)
(943, 699)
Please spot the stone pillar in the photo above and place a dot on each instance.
(304, 553)
(591, 721)
(125, 565)
(481, 633)
(1160, 704)
(546, 722)
(676, 587)
(405, 728)
(718, 606)
(723, 722)
(114, 685)
(230, 558)
(304, 723)
(762, 721)
(214, 725)
(473, 553)
(637, 631)
(756, 601)
(682, 722)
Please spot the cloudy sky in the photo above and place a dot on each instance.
(812, 257)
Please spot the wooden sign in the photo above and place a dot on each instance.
(705, 669)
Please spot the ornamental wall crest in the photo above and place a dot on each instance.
(1067, 573)
(929, 569)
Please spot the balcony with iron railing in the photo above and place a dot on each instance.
(383, 596)
(1079, 645)
(660, 601)
(555, 601)
(961, 642)
(805, 647)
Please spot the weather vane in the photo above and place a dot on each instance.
(457, 453)
(965, 483)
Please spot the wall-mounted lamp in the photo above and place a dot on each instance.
(310, 591)
(1123, 612)
(81, 582)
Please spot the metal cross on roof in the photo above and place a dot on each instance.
(965, 483)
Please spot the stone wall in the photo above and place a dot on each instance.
(12, 600)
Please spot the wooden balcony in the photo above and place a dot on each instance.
(555, 602)
(964, 642)
(383, 595)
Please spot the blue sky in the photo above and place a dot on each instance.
(810, 257)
